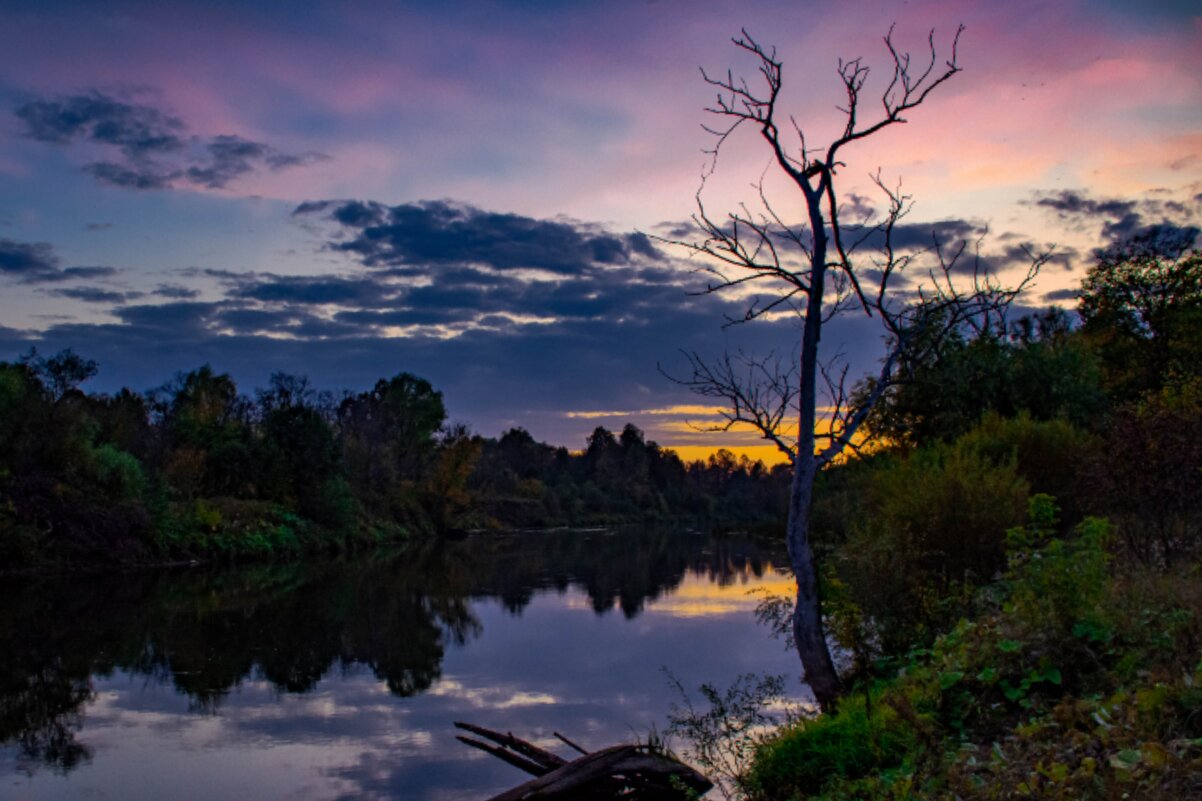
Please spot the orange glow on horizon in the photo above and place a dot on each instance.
(768, 454)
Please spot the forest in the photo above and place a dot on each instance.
(196, 470)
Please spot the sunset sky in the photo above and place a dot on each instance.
(470, 191)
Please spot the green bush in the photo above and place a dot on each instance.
(932, 527)
(1058, 589)
(119, 473)
(806, 757)
(1048, 454)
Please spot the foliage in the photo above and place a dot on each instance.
(799, 760)
(931, 527)
(1047, 454)
(1074, 681)
(1148, 473)
(1038, 366)
(1142, 310)
(196, 470)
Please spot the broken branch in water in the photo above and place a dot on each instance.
(634, 772)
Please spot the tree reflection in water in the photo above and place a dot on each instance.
(206, 630)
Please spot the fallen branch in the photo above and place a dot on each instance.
(634, 772)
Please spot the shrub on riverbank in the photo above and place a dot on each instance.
(1080, 679)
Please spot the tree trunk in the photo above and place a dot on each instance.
(809, 635)
(808, 631)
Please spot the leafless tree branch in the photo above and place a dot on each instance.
(813, 264)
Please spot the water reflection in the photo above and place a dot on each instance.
(340, 680)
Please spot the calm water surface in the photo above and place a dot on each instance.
(342, 681)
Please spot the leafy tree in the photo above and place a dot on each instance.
(63, 493)
(1142, 309)
(388, 440)
(299, 453)
(445, 492)
(1038, 366)
(62, 373)
(207, 435)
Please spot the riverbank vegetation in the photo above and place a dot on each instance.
(1015, 577)
(197, 470)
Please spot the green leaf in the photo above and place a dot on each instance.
(1127, 759)
(1009, 646)
(950, 679)
(988, 675)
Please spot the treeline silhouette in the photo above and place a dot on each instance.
(194, 469)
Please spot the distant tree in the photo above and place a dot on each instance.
(1141, 306)
(61, 373)
(815, 273)
(445, 493)
(65, 491)
(124, 421)
(388, 440)
(206, 427)
(298, 452)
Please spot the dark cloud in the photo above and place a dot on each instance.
(169, 322)
(1069, 203)
(676, 231)
(290, 321)
(132, 176)
(175, 292)
(917, 236)
(37, 263)
(1022, 254)
(89, 294)
(439, 232)
(28, 261)
(231, 157)
(226, 276)
(1154, 217)
(406, 316)
(1062, 294)
(152, 149)
(366, 292)
(138, 131)
(358, 215)
(642, 245)
(258, 321)
(1122, 228)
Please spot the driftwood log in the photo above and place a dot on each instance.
(634, 772)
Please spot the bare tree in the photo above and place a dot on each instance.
(814, 269)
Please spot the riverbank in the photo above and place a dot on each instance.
(1077, 678)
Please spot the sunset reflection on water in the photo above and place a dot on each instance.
(579, 654)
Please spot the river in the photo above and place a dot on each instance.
(342, 680)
